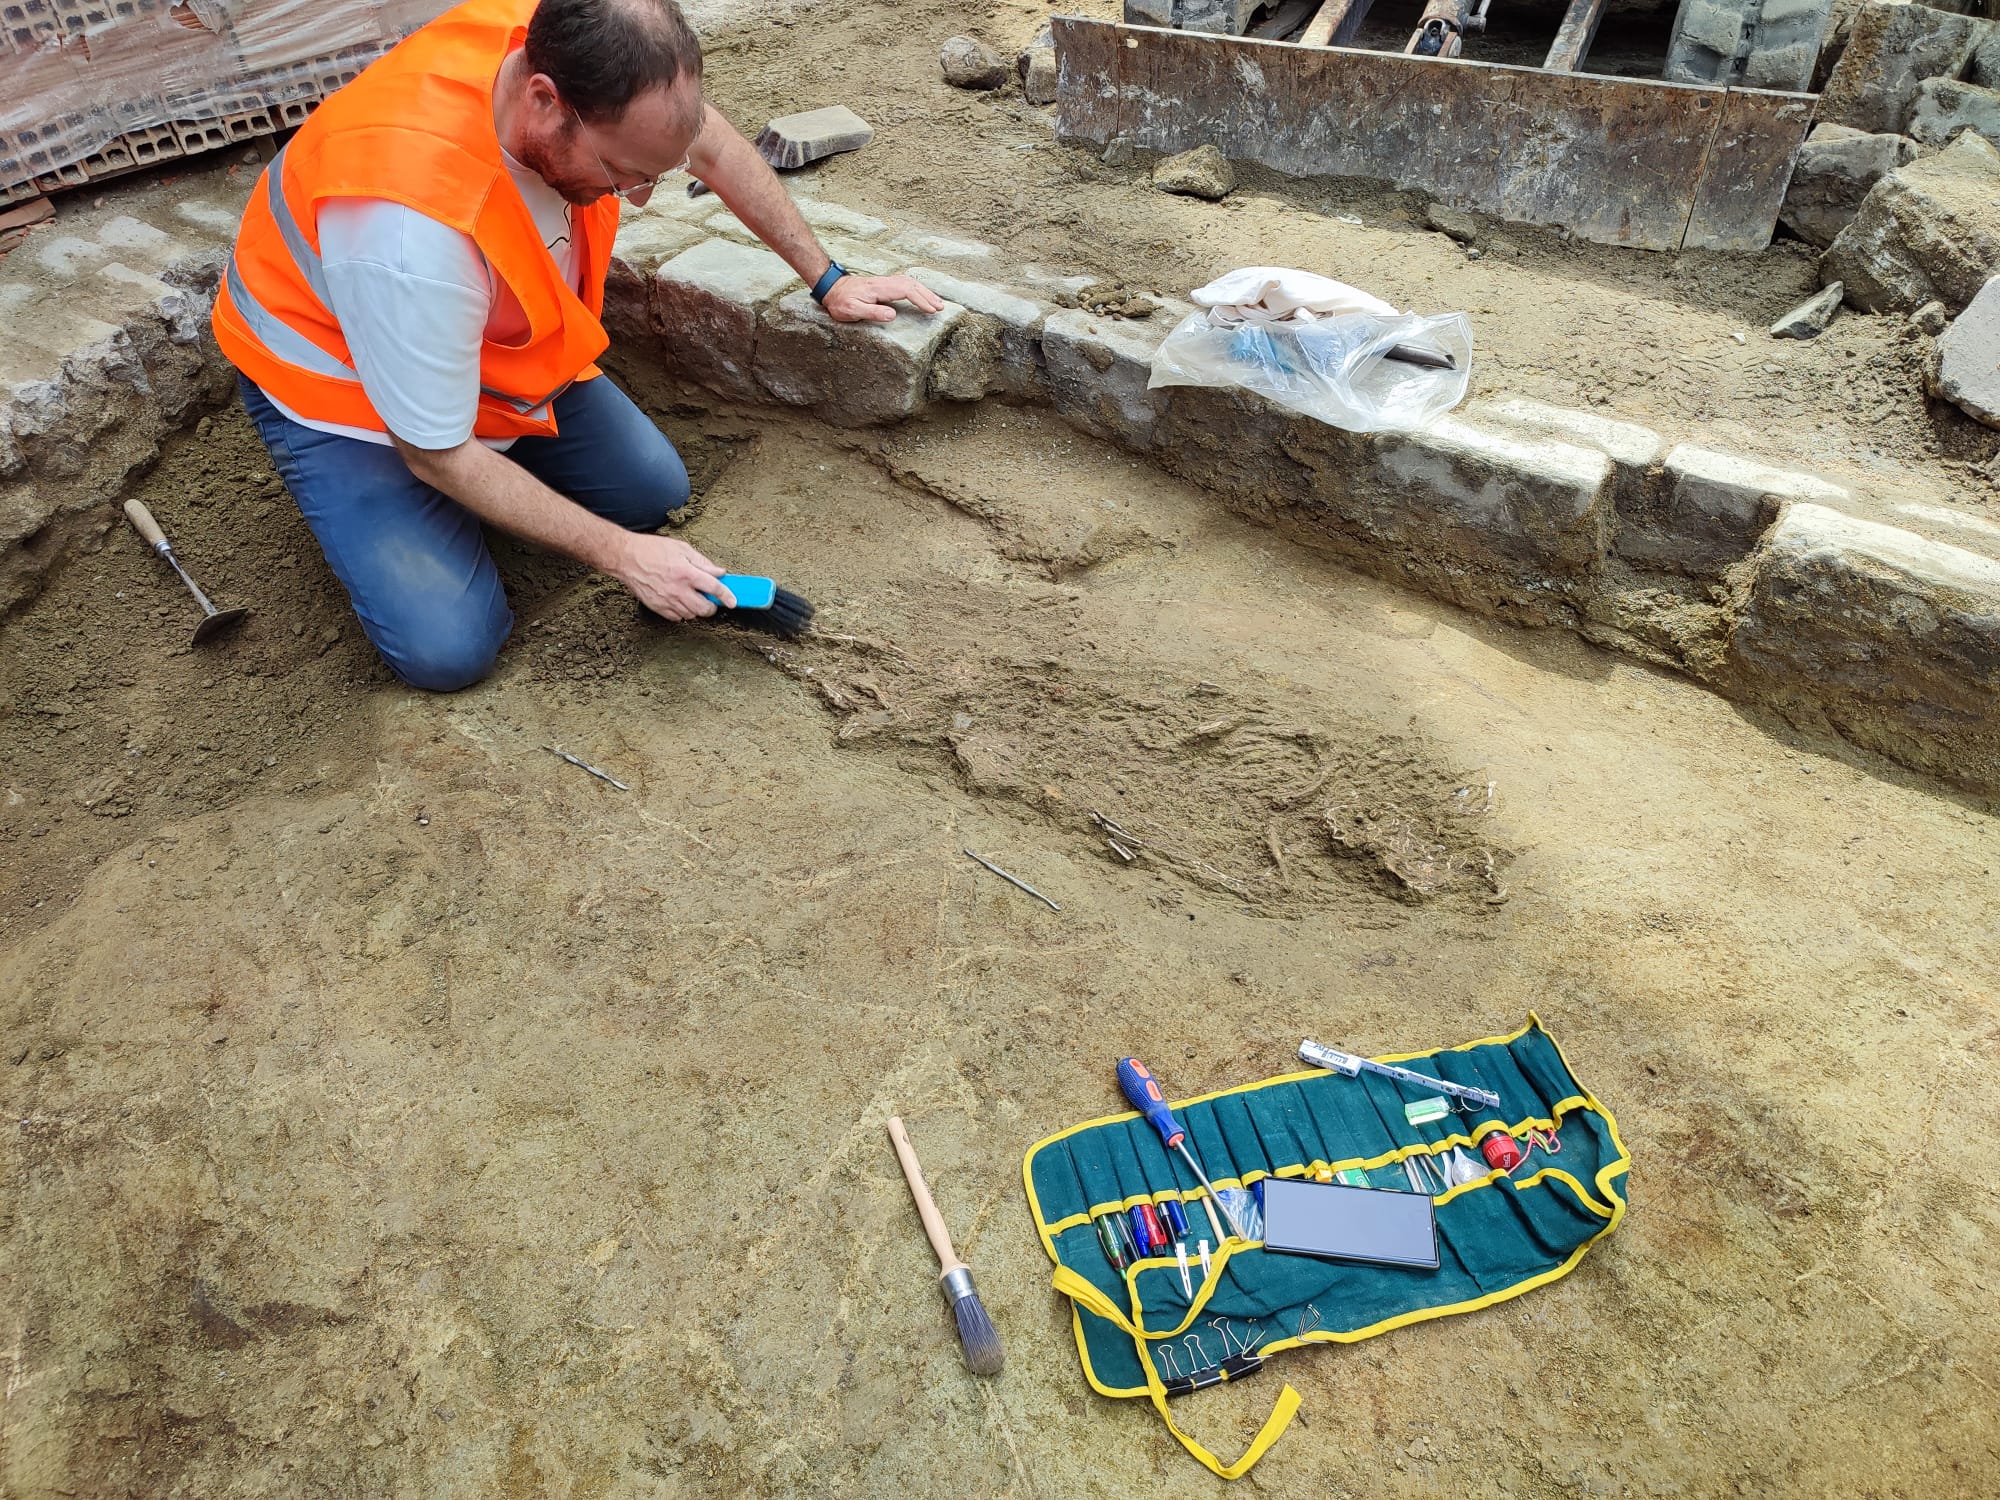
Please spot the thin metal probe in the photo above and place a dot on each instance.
(1013, 880)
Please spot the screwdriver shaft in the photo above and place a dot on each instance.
(1210, 1202)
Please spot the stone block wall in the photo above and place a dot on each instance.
(1751, 578)
(1756, 580)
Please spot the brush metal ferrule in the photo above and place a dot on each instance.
(958, 1285)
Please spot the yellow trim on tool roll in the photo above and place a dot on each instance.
(1605, 1203)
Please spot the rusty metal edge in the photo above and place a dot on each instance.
(1104, 116)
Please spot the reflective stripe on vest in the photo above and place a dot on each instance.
(294, 348)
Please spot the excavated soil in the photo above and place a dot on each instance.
(397, 1109)
(400, 1110)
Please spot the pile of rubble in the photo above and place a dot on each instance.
(1900, 185)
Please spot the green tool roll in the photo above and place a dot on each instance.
(1498, 1235)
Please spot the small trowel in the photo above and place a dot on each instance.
(214, 621)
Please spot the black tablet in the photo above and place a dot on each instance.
(1350, 1223)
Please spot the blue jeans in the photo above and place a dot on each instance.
(414, 562)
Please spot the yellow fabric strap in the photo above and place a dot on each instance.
(1073, 1286)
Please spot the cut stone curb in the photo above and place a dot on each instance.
(1891, 49)
(839, 219)
(1516, 509)
(924, 245)
(85, 400)
(644, 243)
(850, 374)
(1716, 507)
(1097, 371)
(1506, 522)
(1635, 451)
(792, 141)
(1810, 318)
(996, 349)
(705, 307)
(1927, 230)
(1967, 370)
(1893, 639)
(1494, 497)
(1835, 169)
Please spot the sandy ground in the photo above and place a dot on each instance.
(397, 1110)
(417, 1115)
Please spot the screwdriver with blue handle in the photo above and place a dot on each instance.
(1143, 1090)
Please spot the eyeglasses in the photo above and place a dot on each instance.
(629, 194)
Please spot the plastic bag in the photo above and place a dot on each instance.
(1332, 368)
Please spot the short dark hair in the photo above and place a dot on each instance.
(603, 54)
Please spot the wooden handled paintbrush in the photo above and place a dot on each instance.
(983, 1354)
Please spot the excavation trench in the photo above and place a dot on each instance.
(400, 1109)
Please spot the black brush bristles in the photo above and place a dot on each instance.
(983, 1354)
(788, 615)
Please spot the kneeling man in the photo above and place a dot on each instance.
(414, 305)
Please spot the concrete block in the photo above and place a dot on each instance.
(1967, 368)
(1097, 371)
(705, 307)
(997, 347)
(1891, 49)
(1891, 638)
(1945, 106)
(1835, 169)
(850, 374)
(1715, 507)
(795, 140)
(1927, 230)
(839, 219)
(1712, 27)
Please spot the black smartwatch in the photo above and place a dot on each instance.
(834, 271)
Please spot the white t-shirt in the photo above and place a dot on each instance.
(414, 299)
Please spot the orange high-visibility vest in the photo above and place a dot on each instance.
(415, 128)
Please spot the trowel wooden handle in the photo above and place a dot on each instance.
(926, 1209)
(143, 523)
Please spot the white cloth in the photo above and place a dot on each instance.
(414, 299)
(1272, 294)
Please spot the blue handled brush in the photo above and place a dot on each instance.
(762, 605)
